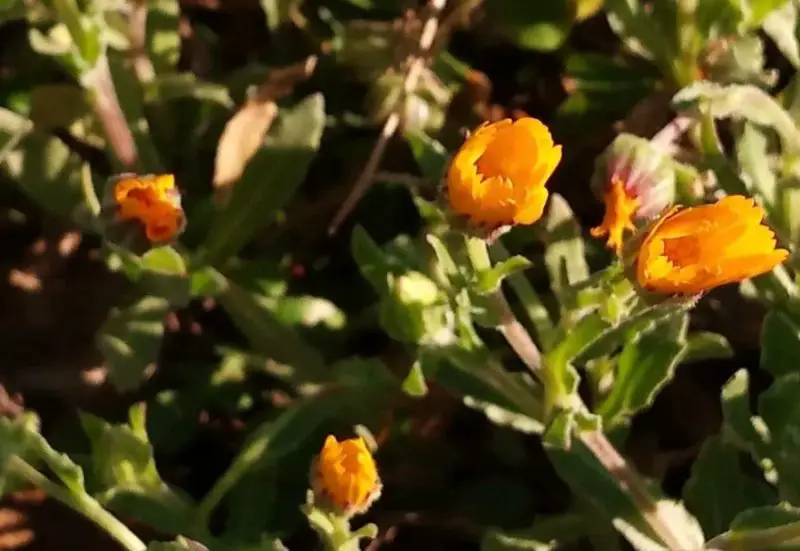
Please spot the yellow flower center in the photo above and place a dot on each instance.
(689, 251)
(347, 474)
(618, 217)
(154, 202)
(498, 176)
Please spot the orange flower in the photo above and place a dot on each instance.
(498, 176)
(620, 211)
(688, 251)
(153, 201)
(345, 475)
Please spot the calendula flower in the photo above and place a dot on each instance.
(497, 178)
(689, 251)
(635, 183)
(152, 201)
(344, 476)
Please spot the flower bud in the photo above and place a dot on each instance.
(635, 181)
(344, 477)
(414, 309)
(140, 212)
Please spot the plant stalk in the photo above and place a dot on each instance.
(81, 503)
(522, 343)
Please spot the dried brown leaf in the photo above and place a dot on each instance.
(245, 131)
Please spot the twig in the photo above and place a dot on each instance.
(137, 24)
(415, 67)
(103, 98)
(408, 180)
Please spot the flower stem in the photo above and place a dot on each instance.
(90, 198)
(537, 314)
(82, 503)
(102, 96)
(598, 444)
(522, 343)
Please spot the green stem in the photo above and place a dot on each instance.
(240, 466)
(82, 503)
(478, 253)
(605, 453)
(531, 302)
(90, 198)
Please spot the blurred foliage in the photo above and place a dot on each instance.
(400, 316)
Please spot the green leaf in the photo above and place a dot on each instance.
(85, 31)
(547, 534)
(431, 156)
(565, 256)
(780, 410)
(763, 528)
(20, 437)
(579, 468)
(308, 311)
(366, 375)
(414, 383)
(187, 85)
(756, 11)
(179, 544)
(371, 260)
(741, 428)
(207, 282)
(740, 102)
(751, 152)
(605, 89)
(542, 26)
(780, 341)
(122, 462)
(718, 489)
(270, 178)
(705, 345)
(130, 341)
(277, 11)
(377, 265)
(15, 439)
(163, 37)
(505, 398)
(165, 275)
(489, 281)
(269, 336)
(781, 27)
(640, 30)
(58, 106)
(45, 169)
(273, 439)
(741, 61)
(645, 365)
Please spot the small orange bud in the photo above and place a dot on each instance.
(344, 476)
(152, 201)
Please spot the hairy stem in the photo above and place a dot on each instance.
(82, 503)
(627, 478)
